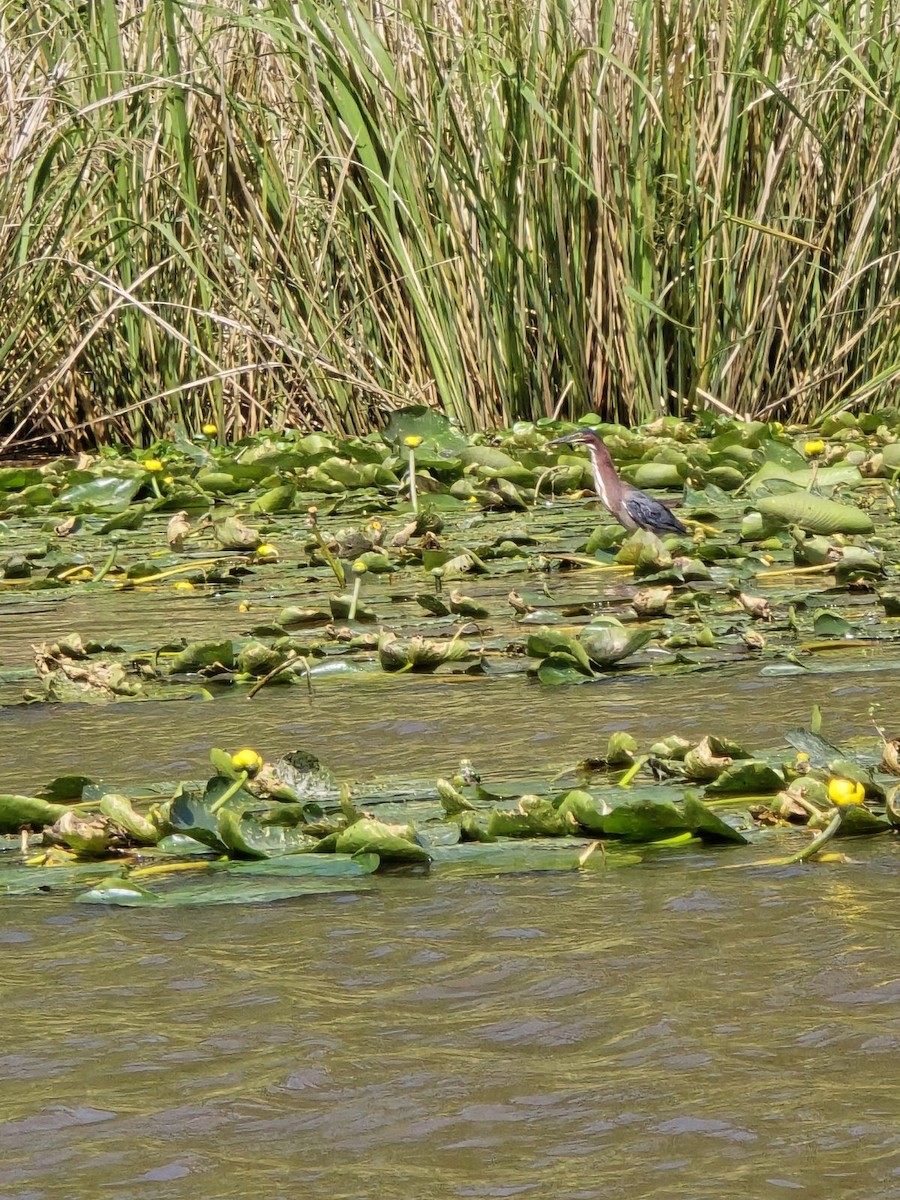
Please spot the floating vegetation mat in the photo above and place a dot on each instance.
(259, 832)
(313, 561)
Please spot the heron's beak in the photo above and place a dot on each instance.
(571, 439)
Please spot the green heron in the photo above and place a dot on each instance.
(629, 505)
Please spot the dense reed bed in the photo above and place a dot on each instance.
(308, 213)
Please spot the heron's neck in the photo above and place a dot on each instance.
(606, 481)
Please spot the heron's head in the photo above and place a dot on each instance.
(581, 437)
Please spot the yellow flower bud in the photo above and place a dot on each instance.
(168, 478)
(209, 430)
(802, 756)
(412, 441)
(266, 550)
(845, 791)
(813, 447)
(152, 464)
(359, 567)
(183, 585)
(246, 760)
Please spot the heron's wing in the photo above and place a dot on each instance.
(651, 514)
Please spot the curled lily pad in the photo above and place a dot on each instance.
(535, 816)
(199, 656)
(452, 801)
(121, 812)
(702, 762)
(89, 836)
(707, 824)
(245, 834)
(233, 534)
(588, 811)
(746, 778)
(19, 812)
(389, 842)
(816, 514)
(607, 641)
(561, 669)
(546, 643)
(418, 653)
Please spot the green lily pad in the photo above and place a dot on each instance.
(246, 835)
(18, 812)
(588, 811)
(535, 817)
(218, 889)
(607, 641)
(199, 655)
(121, 812)
(369, 836)
(642, 818)
(746, 778)
(544, 643)
(523, 857)
(707, 824)
(100, 494)
(815, 514)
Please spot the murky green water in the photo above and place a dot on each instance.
(680, 1029)
(687, 1031)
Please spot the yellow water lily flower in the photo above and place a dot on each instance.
(359, 567)
(845, 791)
(412, 441)
(209, 430)
(152, 464)
(247, 760)
(813, 447)
(183, 585)
(266, 550)
(802, 756)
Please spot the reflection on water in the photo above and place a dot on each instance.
(674, 1030)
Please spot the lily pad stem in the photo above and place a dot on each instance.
(354, 598)
(818, 842)
(335, 564)
(413, 494)
(108, 565)
(292, 658)
(626, 779)
(229, 792)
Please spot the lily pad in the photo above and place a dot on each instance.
(816, 514)
(369, 836)
(707, 824)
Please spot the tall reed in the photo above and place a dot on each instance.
(306, 214)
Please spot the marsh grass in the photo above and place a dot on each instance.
(310, 213)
